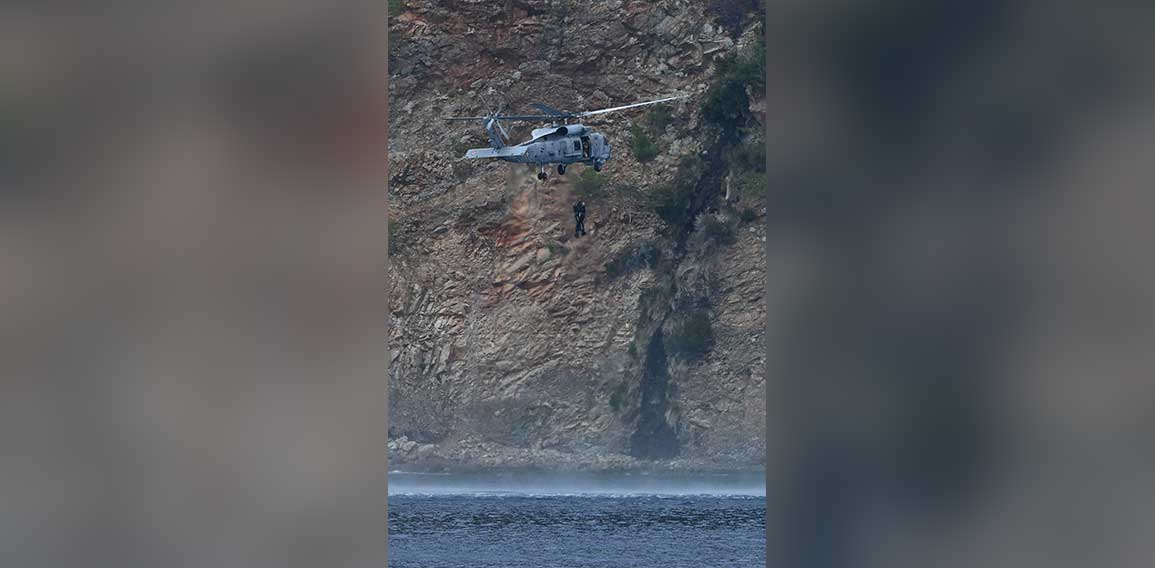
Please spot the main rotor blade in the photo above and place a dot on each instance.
(549, 110)
(501, 117)
(604, 110)
(525, 117)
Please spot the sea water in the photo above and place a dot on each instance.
(474, 521)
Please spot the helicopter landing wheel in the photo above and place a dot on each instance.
(597, 166)
(561, 169)
(541, 176)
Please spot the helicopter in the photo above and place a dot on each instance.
(560, 143)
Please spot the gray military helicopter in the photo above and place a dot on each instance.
(560, 143)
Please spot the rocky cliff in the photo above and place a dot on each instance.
(514, 344)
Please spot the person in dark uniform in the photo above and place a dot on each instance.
(579, 217)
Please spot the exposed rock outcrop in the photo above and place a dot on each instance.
(514, 344)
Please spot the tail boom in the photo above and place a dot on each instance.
(503, 152)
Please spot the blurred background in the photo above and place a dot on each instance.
(962, 298)
(192, 254)
(962, 367)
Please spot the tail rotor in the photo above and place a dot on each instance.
(498, 136)
(501, 128)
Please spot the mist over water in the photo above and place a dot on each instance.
(514, 520)
(578, 484)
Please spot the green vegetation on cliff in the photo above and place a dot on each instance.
(693, 336)
(590, 185)
(645, 150)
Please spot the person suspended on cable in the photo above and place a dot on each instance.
(579, 216)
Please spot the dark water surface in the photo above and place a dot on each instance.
(594, 521)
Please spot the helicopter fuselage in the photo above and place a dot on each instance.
(568, 144)
(561, 143)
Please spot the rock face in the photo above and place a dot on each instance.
(514, 344)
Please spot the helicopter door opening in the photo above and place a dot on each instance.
(585, 146)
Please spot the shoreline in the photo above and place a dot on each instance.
(539, 482)
(474, 469)
(471, 456)
(557, 463)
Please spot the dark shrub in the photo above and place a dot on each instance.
(617, 266)
(748, 157)
(645, 254)
(672, 202)
(732, 14)
(718, 231)
(659, 118)
(749, 184)
(590, 184)
(726, 103)
(693, 337)
(644, 148)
